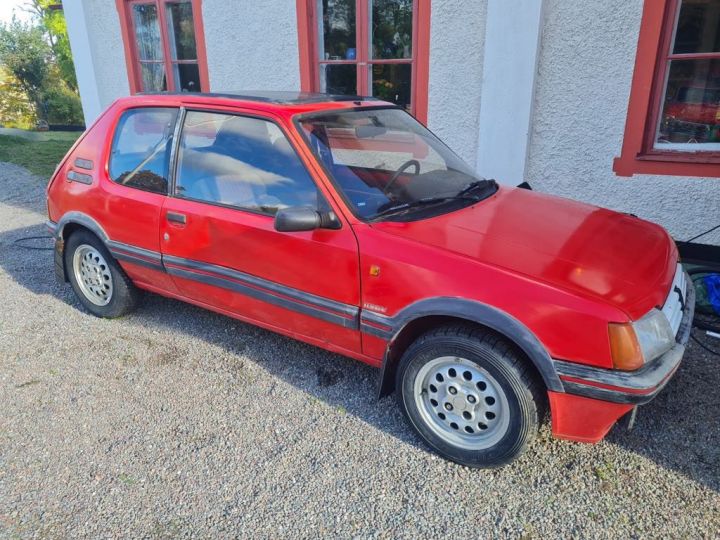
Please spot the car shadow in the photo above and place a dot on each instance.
(676, 430)
(679, 430)
(339, 381)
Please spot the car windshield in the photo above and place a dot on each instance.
(389, 166)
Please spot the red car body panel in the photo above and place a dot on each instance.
(552, 265)
(582, 419)
(564, 243)
(254, 247)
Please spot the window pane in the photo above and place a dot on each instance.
(187, 77)
(336, 27)
(147, 32)
(181, 31)
(391, 82)
(141, 149)
(391, 28)
(153, 77)
(383, 157)
(243, 162)
(690, 118)
(698, 27)
(338, 78)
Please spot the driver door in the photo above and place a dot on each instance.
(219, 243)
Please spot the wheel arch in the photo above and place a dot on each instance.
(69, 223)
(73, 220)
(421, 316)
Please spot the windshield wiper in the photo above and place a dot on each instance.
(398, 208)
(477, 185)
(475, 191)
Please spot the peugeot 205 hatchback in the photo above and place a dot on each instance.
(344, 223)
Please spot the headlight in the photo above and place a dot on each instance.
(631, 345)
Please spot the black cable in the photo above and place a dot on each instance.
(708, 349)
(36, 248)
(716, 227)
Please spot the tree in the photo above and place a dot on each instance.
(53, 22)
(26, 55)
(15, 108)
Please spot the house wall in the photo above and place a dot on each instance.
(252, 44)
(94, 27)
(582, 89)
(457, 37)
(582, 86)
(242, 52)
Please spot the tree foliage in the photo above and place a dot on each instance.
(55, 26)
(62, 106)
(26, 55)
(29, 56)
(16, 110)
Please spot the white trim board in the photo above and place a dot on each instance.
(512, 49)
(82, 58)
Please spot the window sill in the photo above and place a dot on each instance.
(669, 164)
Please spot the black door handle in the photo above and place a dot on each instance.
(176, 218)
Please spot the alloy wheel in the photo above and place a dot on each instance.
(461, 402)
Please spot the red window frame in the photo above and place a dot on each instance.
(638, 155)
(420, 59)
(132, 59)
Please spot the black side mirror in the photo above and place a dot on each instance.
(304, 218)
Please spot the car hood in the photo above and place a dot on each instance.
(618, 258)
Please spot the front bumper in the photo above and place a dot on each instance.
(595, 398)
(631, 387)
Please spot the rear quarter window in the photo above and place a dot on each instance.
(140, 153)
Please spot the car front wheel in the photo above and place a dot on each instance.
(470, 395)
(98, 281)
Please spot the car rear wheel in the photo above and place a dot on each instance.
(100, 284)
(470, 395)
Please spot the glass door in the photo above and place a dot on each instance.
(367, 47)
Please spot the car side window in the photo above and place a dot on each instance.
(241, 161)
(140, 153)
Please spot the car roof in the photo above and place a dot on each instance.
(289, 101)
(269, 96)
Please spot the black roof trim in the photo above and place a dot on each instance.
(280, 98)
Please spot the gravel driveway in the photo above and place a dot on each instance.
(177, 422)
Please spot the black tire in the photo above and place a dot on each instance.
(524, 399)
(124, 296)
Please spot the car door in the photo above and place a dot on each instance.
(233, 173)
(128, 208)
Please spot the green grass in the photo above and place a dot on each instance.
(39, 156)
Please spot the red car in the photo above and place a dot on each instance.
(343, 222)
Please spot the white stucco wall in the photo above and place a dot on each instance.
(457, 37)
(102, 27)
(582, 89)
(252, 44)
(82, 57)
(587, 55)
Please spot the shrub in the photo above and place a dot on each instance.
(62, 105)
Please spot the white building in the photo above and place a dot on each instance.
(572, 96)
